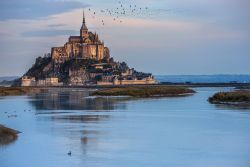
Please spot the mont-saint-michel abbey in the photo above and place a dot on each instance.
(86, 46)
(82, 60)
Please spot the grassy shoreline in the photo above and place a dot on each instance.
(144, 91)
(7, 135)
(13, 91)
(239, 97)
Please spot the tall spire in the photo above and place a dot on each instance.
(83, 18)
(84, 29)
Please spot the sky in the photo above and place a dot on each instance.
(172, 37)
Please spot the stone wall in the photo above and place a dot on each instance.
(135, 82)
(100, 83)
(26, 81)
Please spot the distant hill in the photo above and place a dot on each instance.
(8, 78)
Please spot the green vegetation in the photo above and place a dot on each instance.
(38, 69)
(144, 91)
(11, 91)
(231, 97)
(7, 135)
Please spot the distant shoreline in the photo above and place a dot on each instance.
(237, 85)
(208, 84)
(164, 84)
(15, 91)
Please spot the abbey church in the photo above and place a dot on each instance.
(86, 46)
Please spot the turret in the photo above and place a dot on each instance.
(84, 30)
(96, 38)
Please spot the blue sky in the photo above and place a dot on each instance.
(173, 37)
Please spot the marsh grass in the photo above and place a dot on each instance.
(144, 91)
(8, 91)
(234, 96)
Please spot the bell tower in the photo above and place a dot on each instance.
(84, 30)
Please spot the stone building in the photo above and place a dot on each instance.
(28, 81)
(41, 82)
(149, 80)
(53, 81)
(86, 46)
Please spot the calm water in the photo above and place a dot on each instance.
(111, 132)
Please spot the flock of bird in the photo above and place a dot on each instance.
(13, 114)
(120, 12)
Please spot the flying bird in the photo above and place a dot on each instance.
(121, 11)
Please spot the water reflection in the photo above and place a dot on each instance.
(75, 115)
(75, 100)
(233, 107)
(80, 118)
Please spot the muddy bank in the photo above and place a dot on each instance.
(7, 135)
(14, 91)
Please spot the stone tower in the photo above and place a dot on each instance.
(84, 30)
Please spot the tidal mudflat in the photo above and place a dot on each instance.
(124, 131)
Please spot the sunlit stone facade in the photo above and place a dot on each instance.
(85, 46)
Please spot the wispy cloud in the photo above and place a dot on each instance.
(46, 33)
(33, 9)
(57, 25)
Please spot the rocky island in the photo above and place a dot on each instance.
(83, 60)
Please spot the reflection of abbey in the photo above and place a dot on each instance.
(86, 46)
(83, 60)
